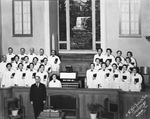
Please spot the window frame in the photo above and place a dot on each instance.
(139, 22)
(13, 20)
(67, 42)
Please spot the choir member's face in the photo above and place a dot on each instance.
(128, 60)
(16, 59)
(9, 67)
(103, 66)
(54, 77)
(128, 54)
(92, 66)
(97, 61)
(42, 68)
(10, 50)
(118, 60)
(31, 50)
(134, 71)
(108, 52)
(119, 53)
(4, 58)
(35, 60)
(37, 79)
(124, 68)
(41, 52)
(31, 66)
(107, 62)
(45, 61)
(26, 59)
(22, 51)
(114, 67)
(99, 51)
(53, 52)
(20, 66)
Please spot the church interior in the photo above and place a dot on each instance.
(74, 30)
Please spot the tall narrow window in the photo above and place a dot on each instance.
(130, 18)
(22, 22)
(79, 25)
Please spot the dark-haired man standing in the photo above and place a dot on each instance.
(37, 96)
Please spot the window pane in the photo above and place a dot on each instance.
(97, 7)
(18, 17)
(80, 25)
(62, 20)
(98, 45)
(26, 17)
(63, 46)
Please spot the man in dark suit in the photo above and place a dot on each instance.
(37, 96)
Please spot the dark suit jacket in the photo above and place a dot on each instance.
(38, 95)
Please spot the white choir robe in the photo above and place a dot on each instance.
(97, 67)
(25, 64)
(103, 78)
(129, 67)
(122, 60)
(21, 56)
(19, 78)
(89, 77)
(36, 66)
(119, 65)
(30, 79)
(100, 57)
(41, 57)
(133, 61)
(110, 57)
(115, 81)
(7, 79)
(48, 68)
(125, 80)
(109, 68)
(44, 77)
(55, 84)
(15, 65)
(136, 86)
(2, 68)
(9, 57)
(31, 57)
(51, 59)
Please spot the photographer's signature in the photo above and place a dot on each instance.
(139, 108)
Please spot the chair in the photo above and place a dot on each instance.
(15, 102)
(110, 111)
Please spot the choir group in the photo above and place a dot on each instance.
(106, 71)
(21, 69)
(115, 72)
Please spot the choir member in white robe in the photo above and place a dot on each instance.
(99, 55)
(30, 75)
(128, 63)
(54, 61)
(125, 78)
(15, 62)
(47, 66)
(103, 77)
(109, 56)
(31, 55)
(36, 63)
(119, 54)
(26, 62)
(136, 81)
(98, 64)
(20, 76)
(43, 75)
(90, 80)
(41, 55)
(133, 60)
(108, 65)
(2, 66)
(115, 76)
(119, 63)
(22, 55)
(8, 76)
(10, 54)
(55, 83)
